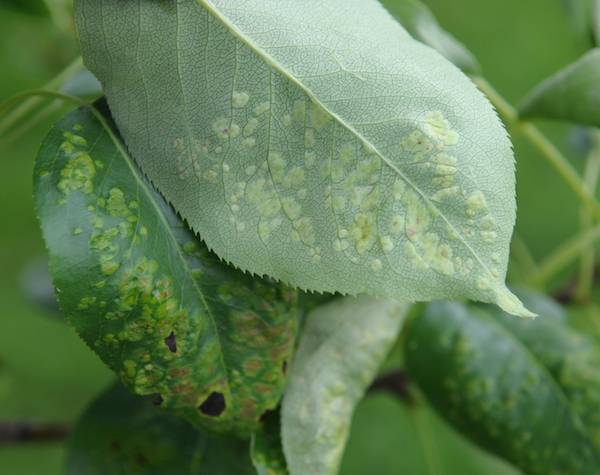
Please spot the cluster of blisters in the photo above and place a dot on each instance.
(155, 334)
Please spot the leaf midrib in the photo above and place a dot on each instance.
(210, 8)
(144, 186)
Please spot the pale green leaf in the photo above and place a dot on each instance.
(210, 343)
(121, 434)
(418, 20)
(317, 143)
(571, 94)
(340, 351)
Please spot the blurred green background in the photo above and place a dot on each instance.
(48, 375)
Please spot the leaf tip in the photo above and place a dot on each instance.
(510, 303)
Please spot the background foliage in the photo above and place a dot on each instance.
(47, 373)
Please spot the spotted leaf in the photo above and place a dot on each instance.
(526, 390)
(210, 343)
(314, 142)
(342, 346)
(266, 450)
(123, 434)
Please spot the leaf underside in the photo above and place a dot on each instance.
(210, 343)
(526, 390)
(303, 143)
(341, 349)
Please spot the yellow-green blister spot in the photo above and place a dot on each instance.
(239, 100)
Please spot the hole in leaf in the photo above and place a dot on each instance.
(171, 343)
(157, 399)
(214, 405)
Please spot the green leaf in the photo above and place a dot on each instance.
(392, 438)
(572, 358)
(144, 293)
(526, 391)
(418, 20)
(83, 84)
(121, 434)
(321, 145)
(581, 15)
(340, 351)
(596, 21)
(35, 7)
(266, 449)
(571, 94)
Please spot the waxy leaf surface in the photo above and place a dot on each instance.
(526, 390)
(314, 142)
(341, 349)
(122, 434)
(210, 343)
(571, 94)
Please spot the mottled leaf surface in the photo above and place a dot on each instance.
(340, 351)
(418, 20)
(525, 391)
(314, 142)
(571, 94)
(122, 434)
(571, 357)
(266, 449)
(166, 315)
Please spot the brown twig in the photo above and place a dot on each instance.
(396, 383)
(22, 432)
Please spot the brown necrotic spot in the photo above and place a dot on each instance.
(214, 405)
(171, 343)
(284, 367)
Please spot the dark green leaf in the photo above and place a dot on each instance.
(35, 7)
(570, 95)
(266, 449)
(418, 20)
(122, 434)
(146, 294)
(524, 404)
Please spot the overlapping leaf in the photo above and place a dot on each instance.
(340, 351)
(266, 449)
(314, 142)
(121, 434)
(423, 26)
(525, 390)
(208, 342)
(571, 94)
